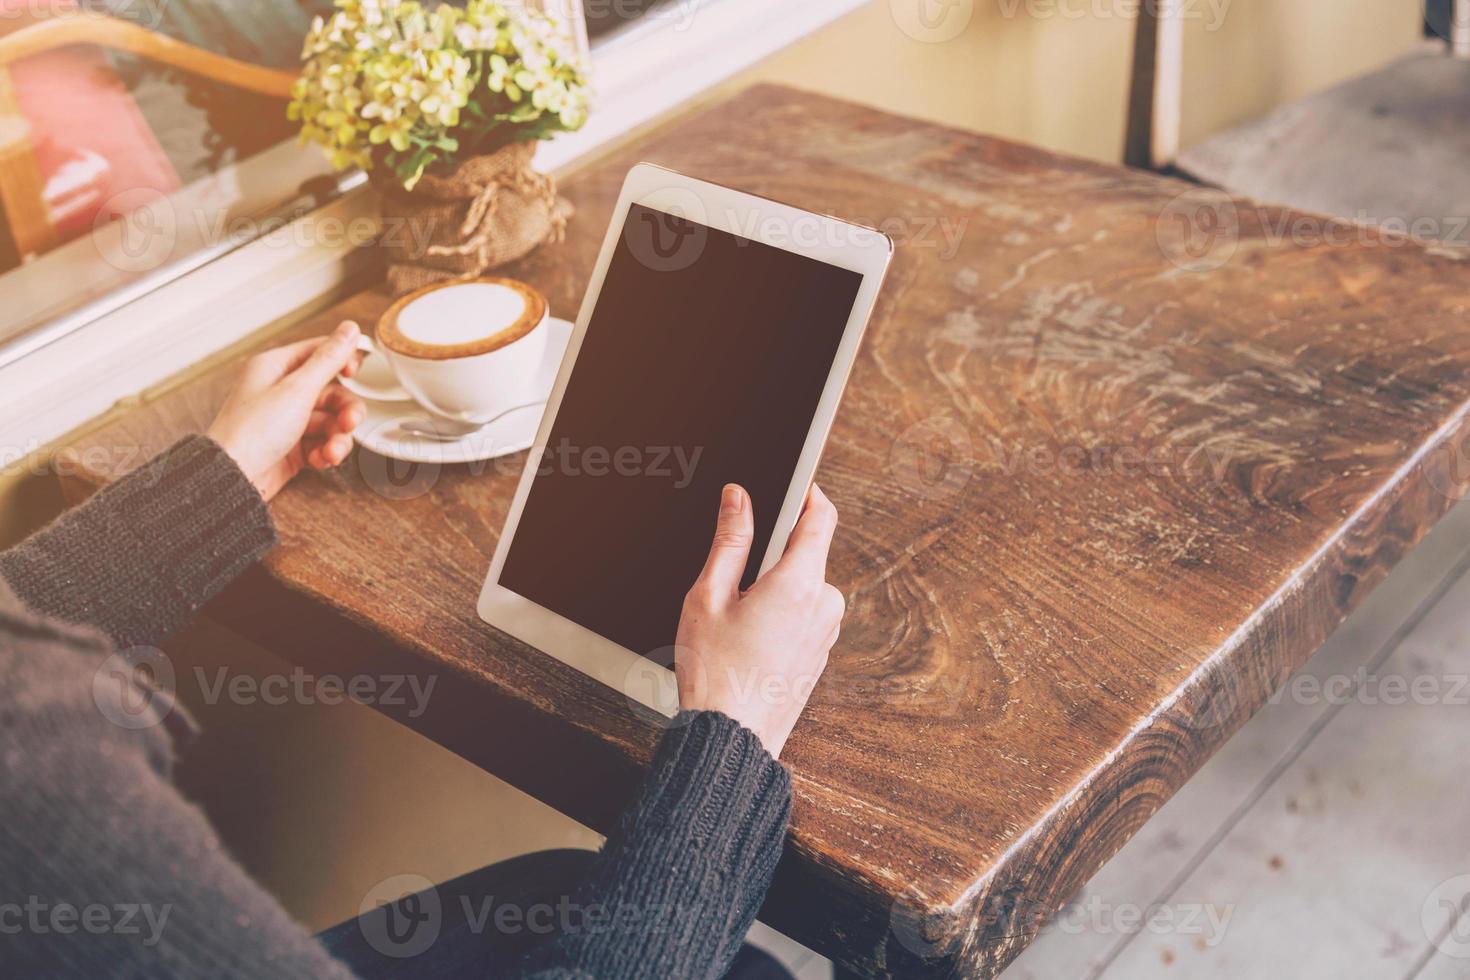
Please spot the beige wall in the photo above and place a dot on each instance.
(323, 802)
(1035, 71)
(1275, 51)
(28, 499)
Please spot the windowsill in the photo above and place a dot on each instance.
(641, 73)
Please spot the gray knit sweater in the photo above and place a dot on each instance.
(107, 871)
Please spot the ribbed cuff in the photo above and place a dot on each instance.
(714, 773)
(680, 881)
(140, 557)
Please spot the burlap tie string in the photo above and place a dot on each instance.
(479, 225)
(491, 210)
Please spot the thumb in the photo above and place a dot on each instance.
(731, 548)
(329, 358)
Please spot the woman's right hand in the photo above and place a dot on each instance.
(756, 656)
(287, 411)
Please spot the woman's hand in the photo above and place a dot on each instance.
(756, 656)
(287, 413)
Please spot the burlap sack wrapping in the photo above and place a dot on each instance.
(493, 209)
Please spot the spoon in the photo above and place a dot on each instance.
(452, 430)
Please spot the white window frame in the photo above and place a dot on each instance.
(646, 69)
(238, 287)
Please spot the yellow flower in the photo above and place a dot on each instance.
(387, 81)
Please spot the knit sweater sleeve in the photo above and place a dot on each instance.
(107, 870)
(141, 556)
(680, 880)
(91, 819)
(113, 873)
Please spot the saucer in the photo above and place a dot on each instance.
(381, 433)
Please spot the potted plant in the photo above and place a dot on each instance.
(442, 107)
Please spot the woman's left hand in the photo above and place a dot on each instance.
(287, 412)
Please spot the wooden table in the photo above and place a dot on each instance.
(1100, 494)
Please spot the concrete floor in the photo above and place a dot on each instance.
(1327, 839)
(1391, 148)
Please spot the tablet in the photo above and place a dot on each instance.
(712, 347)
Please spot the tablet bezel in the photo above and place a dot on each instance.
(827, 239)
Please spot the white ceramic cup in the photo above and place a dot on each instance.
(467, 350)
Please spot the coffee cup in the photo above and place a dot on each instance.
(466, 350)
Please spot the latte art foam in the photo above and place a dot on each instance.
(462, 314)
(461, 319)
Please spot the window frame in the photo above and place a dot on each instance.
(58, 376)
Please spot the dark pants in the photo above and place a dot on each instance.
(479, 924)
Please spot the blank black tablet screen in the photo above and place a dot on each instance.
(702, 365)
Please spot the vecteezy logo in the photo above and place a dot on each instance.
(672, 238)
(646, 683)
(1448, 471)
(397, 479)
(918, 930)
(1199, 230)
(136, 230)
(401, 916)
(1446, 918)
(933, 459)
(404, 918)
(667, 236)
(932, 21)
(134, 688)
(1212, 703)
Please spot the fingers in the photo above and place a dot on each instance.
(353, 363)
(324, 424)
(330, 357)
(338, 412)
(720, 580)
(329, 430)
(806, 549)
(341, 404)
(834, 607)
(270, 366)
(329, 452)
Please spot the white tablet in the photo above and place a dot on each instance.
(712, 347)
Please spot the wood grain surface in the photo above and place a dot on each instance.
(1112, 464)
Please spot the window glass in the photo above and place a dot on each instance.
(116, 163)
(606, 16)
(125, 162)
